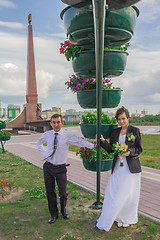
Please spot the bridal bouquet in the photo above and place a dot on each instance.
(120, 148)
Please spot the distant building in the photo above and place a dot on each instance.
(13, 111)
(4, 113)
(70, 112)
(144, 113)
(71, 118)
(135, 115)
(47, 114)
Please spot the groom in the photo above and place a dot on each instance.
(54, 168)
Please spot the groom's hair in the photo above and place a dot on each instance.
(56, 115)
(121, 111)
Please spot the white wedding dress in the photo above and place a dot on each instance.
(121, 196)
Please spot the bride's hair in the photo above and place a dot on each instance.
(121, 111)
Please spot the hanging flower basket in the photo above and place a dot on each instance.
(115, 4)
(106, 164)
(5, 138)
(2, 125)
(89, 130)
(77, 3)
(110, 98)
(114, 63)
(119, 26)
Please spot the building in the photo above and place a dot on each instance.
(47, 114)
(13, 111)
(71, 118)
(70, 112)
(144, 113)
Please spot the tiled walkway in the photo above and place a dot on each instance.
(149, 206)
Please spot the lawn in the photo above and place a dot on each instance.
(24, 212)
(150, 156)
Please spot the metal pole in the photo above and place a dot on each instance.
(99, 17)
(2, 147)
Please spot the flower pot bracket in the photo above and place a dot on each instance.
(114, 63)
(3, 140)
(110, 98)
(119, 26)
(115, 4)
(89, 130)
(106, 164)
(2, 125)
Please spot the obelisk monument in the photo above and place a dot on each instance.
(31, 88)
(32, 110)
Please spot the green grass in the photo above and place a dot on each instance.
(25, 216)
(151, 151)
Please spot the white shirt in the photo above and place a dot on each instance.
(64, 138)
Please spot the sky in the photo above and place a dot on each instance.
(140, 81)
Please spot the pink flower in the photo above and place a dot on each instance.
(92, 80)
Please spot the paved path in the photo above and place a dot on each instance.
(149, 206)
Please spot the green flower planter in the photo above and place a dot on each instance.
(110, 98)
(119, 26)
(106, 165)
(77, 3)
(5, 138)
(89, 130)
(116, 4)
(114, 63)
(2, 125)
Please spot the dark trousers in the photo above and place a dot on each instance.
(58, 173)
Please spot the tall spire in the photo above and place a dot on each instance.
(31, 90)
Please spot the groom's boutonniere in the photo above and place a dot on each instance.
(131, 137)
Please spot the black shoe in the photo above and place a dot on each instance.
(52, 220)
(65, 216)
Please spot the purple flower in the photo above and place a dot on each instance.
(77, 85)
(74, 89)
(84, 81)
(92, 80)
(106, 80)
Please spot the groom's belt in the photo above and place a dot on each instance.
(57, 166)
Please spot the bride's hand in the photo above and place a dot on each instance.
(102, 138)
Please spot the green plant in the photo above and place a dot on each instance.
(4, 133)
(79, 84)
(91, 154)
(91, 118)
(70, 50)
(2, 122)
(120, 48)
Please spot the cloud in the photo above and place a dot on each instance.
(140, 80)
(155, 97)
(7, 4)
(149, 10)
(14, 25)
(12, 80)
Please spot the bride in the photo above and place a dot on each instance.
(123, 189)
